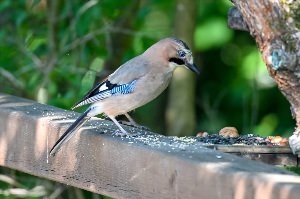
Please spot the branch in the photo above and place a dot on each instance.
(93, 34)
(11, 78)
(274, 25)
(235, 20)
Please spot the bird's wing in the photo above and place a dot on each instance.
(104, 90)
(122, 81)
(129, 71)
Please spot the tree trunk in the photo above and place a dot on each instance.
(274, 24)
(180, 113)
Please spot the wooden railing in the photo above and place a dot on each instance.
(145, 165)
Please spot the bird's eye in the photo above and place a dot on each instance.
(181, 53)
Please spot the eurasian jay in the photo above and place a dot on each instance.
(133, 84)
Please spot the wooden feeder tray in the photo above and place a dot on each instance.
(254, 147)
(274, 155)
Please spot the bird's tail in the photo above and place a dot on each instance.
(70, 132)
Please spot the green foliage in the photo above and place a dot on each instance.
(52, 67)
(293, 169)
(90, 76)
(56, 61)
(14, 184)
(212, 33)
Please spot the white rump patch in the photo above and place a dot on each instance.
(103, 87)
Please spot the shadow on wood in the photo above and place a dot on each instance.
(145, 165)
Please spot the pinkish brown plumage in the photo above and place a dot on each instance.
(133, 84)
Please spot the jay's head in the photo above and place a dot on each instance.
(173, 52)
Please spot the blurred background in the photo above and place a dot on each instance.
(55, 51)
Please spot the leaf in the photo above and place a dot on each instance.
(212, 33)
(20, 18)
(87, 82)
(36, 42)
(4, 5)
(97, 64)
(42, 95)
(34, 3)
(267, 125)
(253, 68)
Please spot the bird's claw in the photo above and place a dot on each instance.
(121, 133)
(135, 125)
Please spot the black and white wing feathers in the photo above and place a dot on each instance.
(104, 90)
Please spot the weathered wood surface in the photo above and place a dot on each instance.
(253, 149)
(141, 166)
(275, 155)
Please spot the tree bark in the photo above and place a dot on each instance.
(180, 113)
(274, 24)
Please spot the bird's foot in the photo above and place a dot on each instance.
(144, 128)
(135, 125)
(126, 123)
(121, 133)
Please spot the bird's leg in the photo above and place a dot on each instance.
(132, 122)
(124, 132)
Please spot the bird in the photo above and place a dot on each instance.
(135, 83)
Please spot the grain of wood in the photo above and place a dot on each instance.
(142, 166)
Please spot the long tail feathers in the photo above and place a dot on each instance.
(69, 132)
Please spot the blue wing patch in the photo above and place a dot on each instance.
(123, 88)
(105, 90)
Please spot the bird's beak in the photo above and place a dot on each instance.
(193, 67)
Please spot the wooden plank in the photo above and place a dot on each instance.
(252, 149)
(274, 155)
(278, 159)
(146, 165)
